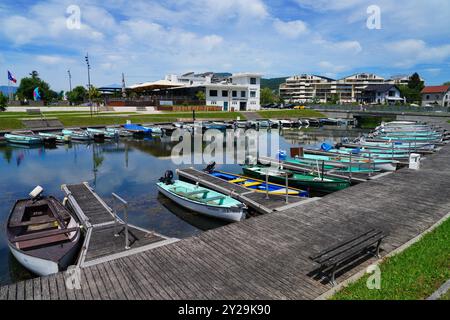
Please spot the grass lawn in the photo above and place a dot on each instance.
(11, 121)
(414, 274)
(307, 113)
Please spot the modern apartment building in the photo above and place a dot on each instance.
(314, 88)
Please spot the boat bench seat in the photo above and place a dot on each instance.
(23, 245)
(193, 193)
(215, 198)
(252, 184)
(33, 221)
(237, 180)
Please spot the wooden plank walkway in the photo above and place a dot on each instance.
(266, 257)
(105, 238)
(255, 200)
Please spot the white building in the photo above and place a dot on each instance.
(436, 96)
(238, 92)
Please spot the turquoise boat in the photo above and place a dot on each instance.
(119, 132)
(24, 137)
(154, 130)
(379, 164)
(77, 134)
(202, 200)
(61, 139)
(366, 168)
(105, 133)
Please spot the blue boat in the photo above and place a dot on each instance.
(137, 129)
(257, 185)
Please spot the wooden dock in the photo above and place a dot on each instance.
(105, 231)
(255, 200)
(266, 257)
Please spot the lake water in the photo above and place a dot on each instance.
(129, 168)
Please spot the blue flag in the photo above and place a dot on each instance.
(36, 95)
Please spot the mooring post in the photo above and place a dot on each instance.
(267, 184)
(127, 243)
(287, 187)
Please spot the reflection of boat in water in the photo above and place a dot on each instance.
(196, 220)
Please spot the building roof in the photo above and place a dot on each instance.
(436, 89)
(160, 84)
(380, 87)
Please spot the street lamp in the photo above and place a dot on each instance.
(89, 81)
(70, 81)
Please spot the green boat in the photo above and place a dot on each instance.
(313, 181)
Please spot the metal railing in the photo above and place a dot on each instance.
(122, 205)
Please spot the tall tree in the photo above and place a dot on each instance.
(267, 96)
(28, 84)
(77, 95)
(447, 83)
(3, 102)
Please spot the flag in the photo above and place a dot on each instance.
(36, 94)
(11, 78)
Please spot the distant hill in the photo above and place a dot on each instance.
(5, 90)
(273, 84)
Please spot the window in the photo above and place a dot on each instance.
(234, 93)
(428, 97)
(252, 94)
(391, 93)
(243, 94)
(252, 80)
(213, 93)
(224, 93)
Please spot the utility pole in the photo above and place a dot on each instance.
(89, 81)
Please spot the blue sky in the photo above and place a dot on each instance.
(147, 39)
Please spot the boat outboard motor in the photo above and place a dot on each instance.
(338, 145)
(36, 193)
(210, 167)
(168, 177)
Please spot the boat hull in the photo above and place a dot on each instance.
(44, 267)
(316, 185)
(232, 214)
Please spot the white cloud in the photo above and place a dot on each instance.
(332, 68)
(290, 29)
(49, 59)
(414, 51)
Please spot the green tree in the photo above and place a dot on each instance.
(3, 101)
(28, 84)
(77, 95)
(201, 95)
(267, 96)
(415, 83)
(447, 83)
(413, 91)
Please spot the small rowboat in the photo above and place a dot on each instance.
(61, 139)
(155, 130)
(258, 185)
(202, 200)
(42, 234)
(119, 132)
(77, 134)
(137, 130)
(107, 134)
(28, 138)
(316, 182)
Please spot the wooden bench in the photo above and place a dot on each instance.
(342, 254)
(34, 111)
